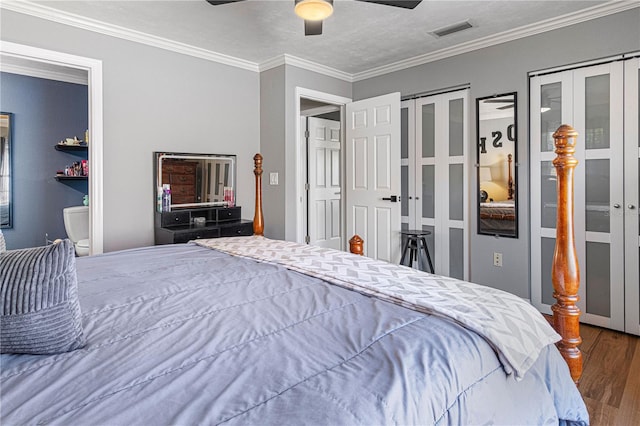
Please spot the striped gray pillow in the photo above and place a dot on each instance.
(39, 307)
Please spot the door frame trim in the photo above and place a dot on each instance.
(300, 167)
(95, 112)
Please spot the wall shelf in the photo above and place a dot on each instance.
(61, 178)
(71, 148)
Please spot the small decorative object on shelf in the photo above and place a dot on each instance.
(166, 197)
(228, 196)
(78, 170)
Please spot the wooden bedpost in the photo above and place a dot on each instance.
(356, 245)
(258, 218)
(565, 270)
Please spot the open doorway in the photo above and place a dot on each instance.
(91, 68)
(321, 128)
(325, 218)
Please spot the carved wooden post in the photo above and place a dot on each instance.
(258, 218)
(356, 245)
(565, 271)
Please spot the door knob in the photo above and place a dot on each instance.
(392, 198)
(631, 206)
(616, 206)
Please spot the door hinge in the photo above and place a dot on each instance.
(307, 187)
(307, 239)
(306, 134)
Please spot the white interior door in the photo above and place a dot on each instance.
(324, 195)
(372, 189)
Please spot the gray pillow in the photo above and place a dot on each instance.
(39, 308)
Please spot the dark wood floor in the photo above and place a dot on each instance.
(610, 382)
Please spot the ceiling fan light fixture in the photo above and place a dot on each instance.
(313, 10)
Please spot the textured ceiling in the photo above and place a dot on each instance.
(358, 36)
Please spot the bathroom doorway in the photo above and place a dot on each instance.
(47, 64)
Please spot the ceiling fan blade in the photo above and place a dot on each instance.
(312, 27)
(219, 2)
(406, 4)
(499, 101)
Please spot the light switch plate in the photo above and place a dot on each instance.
(273, 178)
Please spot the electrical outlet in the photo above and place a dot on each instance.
(497, 259)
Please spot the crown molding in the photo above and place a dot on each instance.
(44, 12)
(588, 14)
(54, 15)
(43, 73)
(287, 59)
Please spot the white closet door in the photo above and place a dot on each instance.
(551, 104)
(372, 188)
(407, 164)
(441, 179)
(591, 100)
(632, 195)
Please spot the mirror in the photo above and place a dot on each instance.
(196, 180)
(6, 124)
(497, 165)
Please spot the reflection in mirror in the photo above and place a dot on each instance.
(5, 170)
(497, 160)
(196, 180)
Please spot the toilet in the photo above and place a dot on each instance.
(76, 223)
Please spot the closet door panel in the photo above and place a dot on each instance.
(632, 195)
(428, 193)
(428, 130)
(551, 104)
(598, 117)
(407, 165)
(456, 192)
(548, 195)
(437, 165)
(456, 253)
(456, 127)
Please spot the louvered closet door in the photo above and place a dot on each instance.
(435, 175)
(591, 100)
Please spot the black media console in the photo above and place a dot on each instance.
(180, 226)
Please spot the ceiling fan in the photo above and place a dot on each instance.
(315, 11)
(510, 103)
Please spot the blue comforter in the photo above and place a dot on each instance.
(187, 335)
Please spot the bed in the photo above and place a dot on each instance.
(497, 216)
(249, 330)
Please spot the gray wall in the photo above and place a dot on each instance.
(278, 138)
(499, 69)
(272, 137)
(154, 100)
(44, 112)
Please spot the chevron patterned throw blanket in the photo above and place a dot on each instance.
(514, 328)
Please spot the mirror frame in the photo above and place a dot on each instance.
(9, 155)
(159, 156)
(496, 140)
